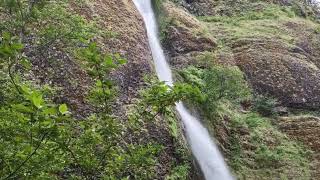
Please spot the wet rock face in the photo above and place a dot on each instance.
(273, 68)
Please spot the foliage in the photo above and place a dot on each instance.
(264, 105)
(273, 153)
(30, 125)
(39, 138)
(19, 14)
(317, 30)
(163, 20)
(217, 83)
(179, 172)
(99, 67)
(265, 20)
(60, 27)
(157, 6)
(159, 97)
(255, 148)
(164, 24)
(272, 12)
(225, 83)
(159, 100)
(30, 129)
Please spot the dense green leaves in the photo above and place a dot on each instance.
(63, 109)
(217, 84)
(224, 83)
(9, 47)
(99, 66)
(265, 106)
(29, 126)
(159, 98)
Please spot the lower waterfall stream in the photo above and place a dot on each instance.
(203, 147)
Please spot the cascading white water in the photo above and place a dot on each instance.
(203, 148)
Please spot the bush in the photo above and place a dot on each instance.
(224, 83)
(264, 106)
(217, 84)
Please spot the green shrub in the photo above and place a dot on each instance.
(217, 83)
(223, 83)
(264, 105)
(157, 6)
(179, 172)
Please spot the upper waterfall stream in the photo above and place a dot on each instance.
(203, 148)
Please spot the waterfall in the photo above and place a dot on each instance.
(203, 148)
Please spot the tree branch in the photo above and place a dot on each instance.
(28, 158)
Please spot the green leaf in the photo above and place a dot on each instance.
(50, 111)
(122, 61)
(22, 108)
(98, 83)
(37, 100)
(26, 90)
(6, 36)
(47, 123)
(108, 61)
(63, 109)
(17, 46)
(26, 63)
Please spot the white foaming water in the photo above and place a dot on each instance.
(203, 148)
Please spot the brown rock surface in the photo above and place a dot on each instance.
(186, 36)
(183, 41)
(122, 18)
(130, 40)
(272, 67)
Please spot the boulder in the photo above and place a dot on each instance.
(274, 68)
(183, 40)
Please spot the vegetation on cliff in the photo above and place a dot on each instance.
(252, 71)
(75, 101)
(253, 146)
(42, 134)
